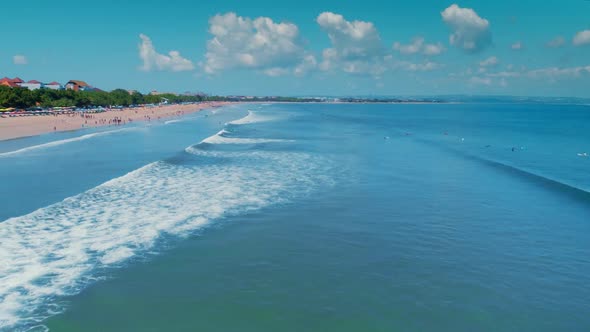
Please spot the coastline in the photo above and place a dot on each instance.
(26, 126)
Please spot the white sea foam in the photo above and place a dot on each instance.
(58, 249)
(222, 138)
(172, 121)
(253, 117)
(62, 142)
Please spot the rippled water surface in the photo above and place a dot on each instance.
(303, 217)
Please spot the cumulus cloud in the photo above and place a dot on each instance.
(418, 46)
(433, 49)
(480, 80)
(517, 46)
(351, 39)
(489, 62)
(309, 63)
(357, 49)
(547, 73)
(20, 60)
(356, 46)
(555, 73)
(556, 42)
(582, 38)
(505, 74)
(262, 44)
(173, 61)
(470, 32)
(409, 66)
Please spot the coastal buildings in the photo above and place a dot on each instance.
(54, 86)
(10, 82)
(77, 85)
(157, 93)
(31, 85)
(18, 80)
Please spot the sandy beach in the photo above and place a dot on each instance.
(15, 127)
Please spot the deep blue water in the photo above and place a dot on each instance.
(303, 217)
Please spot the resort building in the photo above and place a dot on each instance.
(78, 85)
(17, 81)
(9, 82)
(157, 93)
(32, 85)
(54, 86)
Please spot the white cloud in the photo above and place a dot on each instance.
(505, 74)
(309, 63)
(556, 42)
(418, 46)
(240, 42)
(433, 49)
(412, 48)
(329, 58)
(356, 46)
(20, 60)
(276, 71)
(582, 38)
(480, 81)
(555, 73)
(351, 39)
(409, 66)
(489, 62)
(517, 46)
(154, 60)
(551, 73)
(470, 32)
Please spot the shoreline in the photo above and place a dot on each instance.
(27, 126)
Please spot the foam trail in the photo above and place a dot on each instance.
(61, 142)
(221, 138)
(58, 249)
(253, 117)
(172, 121)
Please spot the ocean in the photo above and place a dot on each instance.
(303, 217)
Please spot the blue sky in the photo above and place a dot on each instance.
(261, 47)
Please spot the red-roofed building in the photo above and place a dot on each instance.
(54, 86)
(8, 82)
(77, 85)
(32, 85)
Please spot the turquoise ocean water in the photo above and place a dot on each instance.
(303, 217)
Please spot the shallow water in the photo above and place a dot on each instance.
(303, 217)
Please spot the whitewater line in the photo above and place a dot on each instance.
(61, 142)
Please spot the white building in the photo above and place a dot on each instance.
(32, 85)
(53, 86)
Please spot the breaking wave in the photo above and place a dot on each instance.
(62, 142)
(59, 249)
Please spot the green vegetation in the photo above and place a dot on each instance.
(24, 98)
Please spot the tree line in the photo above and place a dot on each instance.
(23, 98)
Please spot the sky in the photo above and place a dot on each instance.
(304, 47)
